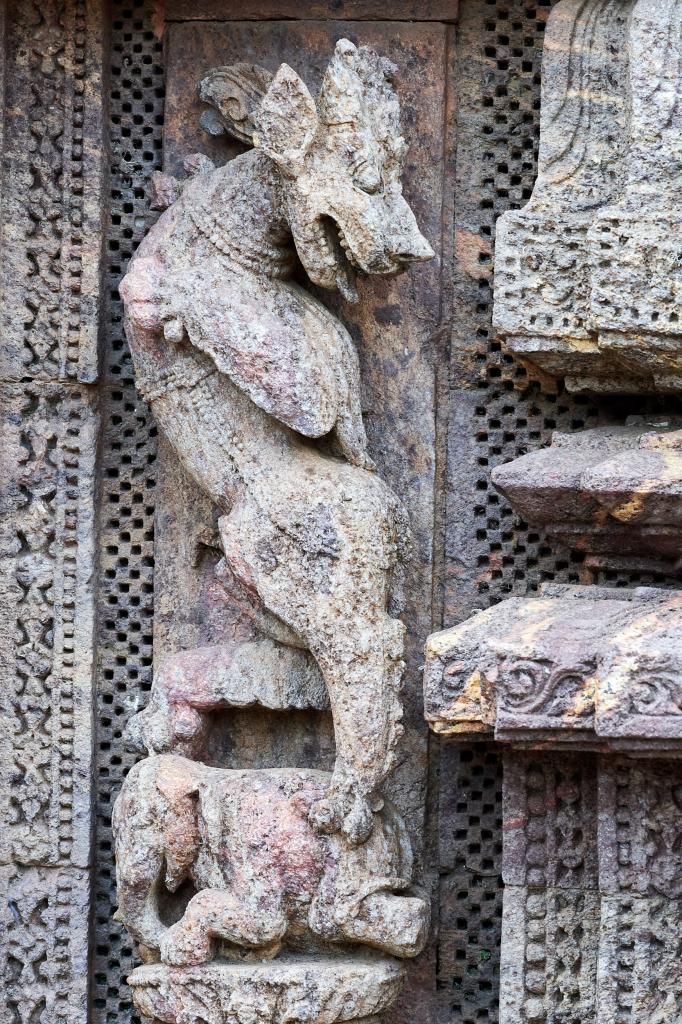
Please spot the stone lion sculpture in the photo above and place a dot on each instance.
(256, 384)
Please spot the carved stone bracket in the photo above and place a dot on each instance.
(592, 667)
(613, 492)
(587, 274)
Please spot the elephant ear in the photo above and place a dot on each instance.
(235, 92)
(181, 827)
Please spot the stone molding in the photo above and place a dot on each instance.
(586, 273)
(612, 492)
(44, 953)
(48, 546)
(345, 991)
(591, 667)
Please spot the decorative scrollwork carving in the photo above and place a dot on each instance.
(537, 686)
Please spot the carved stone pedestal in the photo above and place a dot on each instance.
(308, 990)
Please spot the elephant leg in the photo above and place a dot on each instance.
(140, 855)
(216, 914)
(398, 925)
(138, 886)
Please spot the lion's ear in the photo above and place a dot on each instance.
(235, 92)
(287, 120)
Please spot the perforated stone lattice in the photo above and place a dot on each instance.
(514, 415)
(470, 831)
(498, 86)
(136, 140)
(127, 476)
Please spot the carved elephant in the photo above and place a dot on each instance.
(264, 878)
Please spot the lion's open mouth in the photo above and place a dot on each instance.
(344, 260)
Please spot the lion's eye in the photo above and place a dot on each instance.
(368, 179)
(371, 188)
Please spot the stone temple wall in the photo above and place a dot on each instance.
(498, 410)
(88, 485)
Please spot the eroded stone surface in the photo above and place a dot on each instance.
(640, 824)
(614, 492)
(551, 918)
(262, 875)
(47, 540)
(255, 385)
(291, 991)
(44, 944)
(51, 198)
(191, 685)
(550, 945)
(586, 274)
(234, 355)
(592, 905)
(578, 665)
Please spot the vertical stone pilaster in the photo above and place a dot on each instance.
(581, 945)
(50, 211)
(579, 684)
(551, 902)
(50, 438)
(586, 272)
(51, 203)
(44, 950)
(640, 825)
